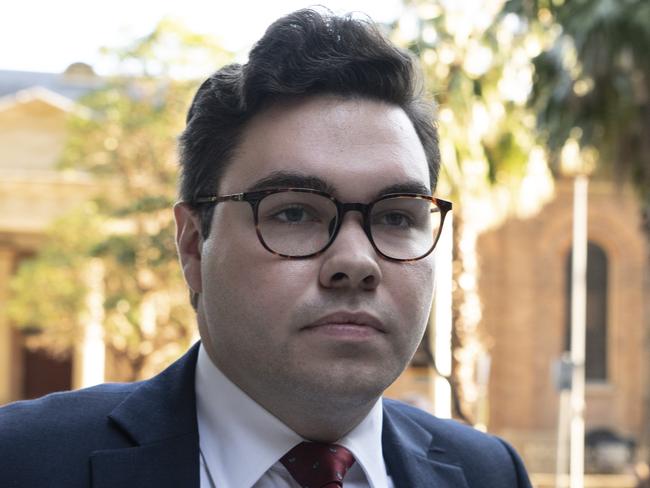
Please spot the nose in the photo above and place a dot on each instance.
(351, 261)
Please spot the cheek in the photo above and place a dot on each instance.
(275, 286)
(247, 283)
(412, 288)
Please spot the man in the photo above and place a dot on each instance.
(305, 232)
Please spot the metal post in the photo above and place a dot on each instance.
(563, 371)
(578, 331)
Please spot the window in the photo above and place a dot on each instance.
(596, 340)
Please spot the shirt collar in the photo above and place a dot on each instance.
(364, 441)
(233, 428)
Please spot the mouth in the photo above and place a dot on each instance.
(348, 322)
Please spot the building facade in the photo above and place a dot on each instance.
(33, 112)
(524, 285)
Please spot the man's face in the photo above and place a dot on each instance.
(256, 310)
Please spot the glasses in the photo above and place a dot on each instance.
(303, 223)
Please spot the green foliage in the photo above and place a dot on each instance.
(128, 143)
(476, 66)
(49, 292)
(592, 83)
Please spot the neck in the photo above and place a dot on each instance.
(318, 422)
(314, 415)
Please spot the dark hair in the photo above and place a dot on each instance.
(305, 53)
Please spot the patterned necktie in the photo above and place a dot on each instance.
(318, 465)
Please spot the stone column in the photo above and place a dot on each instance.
(90, 352)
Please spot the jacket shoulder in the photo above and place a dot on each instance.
(482, 456)
(59, 430)
(63, 410)
(449, 432)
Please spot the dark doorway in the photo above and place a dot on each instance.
(43, 374)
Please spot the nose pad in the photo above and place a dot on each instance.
(331, 226)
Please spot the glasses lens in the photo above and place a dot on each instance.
(296, 223)
(405, 227)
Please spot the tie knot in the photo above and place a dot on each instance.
(318, 465)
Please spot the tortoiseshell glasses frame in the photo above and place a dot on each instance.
(255, 197)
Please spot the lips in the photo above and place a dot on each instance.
(361, 319)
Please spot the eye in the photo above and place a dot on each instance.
(393, 219)
(294, 214)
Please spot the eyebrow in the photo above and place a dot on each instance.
(291, 179)
(295, 179)
(410, 186)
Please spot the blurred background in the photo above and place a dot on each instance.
(544, 116)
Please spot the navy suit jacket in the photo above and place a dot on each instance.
(145, 435)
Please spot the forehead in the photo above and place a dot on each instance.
(354, 146)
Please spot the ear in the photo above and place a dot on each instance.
(188, 244)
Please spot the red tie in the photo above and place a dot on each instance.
(318, 465)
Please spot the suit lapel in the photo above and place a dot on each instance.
(159, 418)
(412, 458)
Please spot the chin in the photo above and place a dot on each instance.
(356, 387)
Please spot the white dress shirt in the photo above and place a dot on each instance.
(241, 442)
